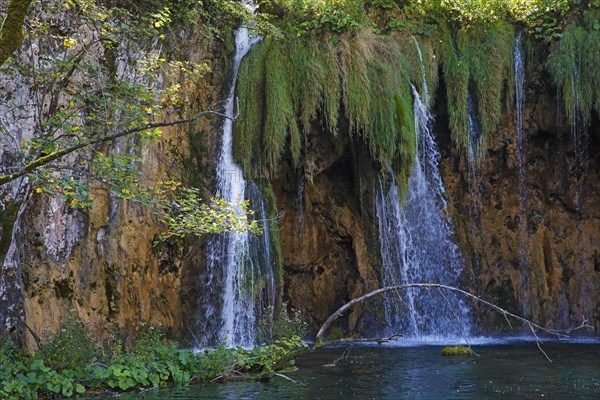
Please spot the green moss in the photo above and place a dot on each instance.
(320, 89)
(489, 52)
(279, 118)
(335, 333)
(250, 94)
(382, 126)
(287, 85)
(457, 351)
(9, 216)
(481, 59)
(405, 125)
(354, 55)
(573, 65)
(456, 76)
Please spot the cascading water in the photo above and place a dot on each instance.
(236, 276)
(260, 258)
(475, 138)
(521, 143)
(579, 137)
(416, 243)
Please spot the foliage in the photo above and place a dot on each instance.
(313, 17)
(573, 66)
(9, 352)
(182, 211)
(279, 119)
(150, 339)
(479, 63)
(153, 363)
(70, 346)
(288, 324)
(543, 18)
(303, 83)
(474, 40)
(95, 116)
(309, 17)
(270, 358)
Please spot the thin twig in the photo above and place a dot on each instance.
(287, 377)
(194, 336)
(538, 341)
(460, 324)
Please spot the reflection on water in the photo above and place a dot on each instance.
(515, 370)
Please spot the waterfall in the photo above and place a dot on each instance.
(236, 276)
(260, 259)
(416, 241)
(521, 143)
(474, 143)
(579, 137)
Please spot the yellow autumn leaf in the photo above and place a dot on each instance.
(69, 42)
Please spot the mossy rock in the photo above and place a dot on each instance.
(335, 333)
(457, 351)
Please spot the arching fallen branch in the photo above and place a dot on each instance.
(532, 325)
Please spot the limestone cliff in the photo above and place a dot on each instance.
(329, 225)
(558, 284)
(101, 264)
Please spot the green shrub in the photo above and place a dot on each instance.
(70, 346)
(151, 339)
(9, 351)
(157, 365)
(289, 324)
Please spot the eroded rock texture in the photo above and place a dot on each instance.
(101, 266)
(556, 280)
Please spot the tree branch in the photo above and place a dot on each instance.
(532, 325)
(46, 159)
(11, 31)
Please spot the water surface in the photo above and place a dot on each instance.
(501, 371)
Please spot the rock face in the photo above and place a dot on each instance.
(557, 281)
(101, 265)
(327, 230)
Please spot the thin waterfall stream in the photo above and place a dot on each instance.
(521, 144)
(416, 242)
(238, 283)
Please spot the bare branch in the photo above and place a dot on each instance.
(532, 325)
(287, 378)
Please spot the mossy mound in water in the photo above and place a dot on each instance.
(456, 351)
